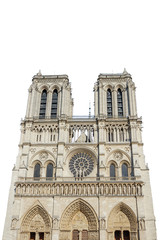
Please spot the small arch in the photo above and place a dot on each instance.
(42, 87)
(38, 154)
(55, 86)
(108, 86)
(84, 149)
(121, 86)
(119, 154)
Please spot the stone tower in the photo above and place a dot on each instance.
(80, 178)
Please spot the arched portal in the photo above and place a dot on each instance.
(36, 224)
(122, 223)
(79, 222)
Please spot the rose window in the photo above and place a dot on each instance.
(81, 164)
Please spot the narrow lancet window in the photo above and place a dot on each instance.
(43, 104)
(109, 103)
(54, 104)
(49, 173)
(124, 170)
(37, 171)
(120, 103)
(112, 171)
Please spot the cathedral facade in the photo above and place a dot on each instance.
(80, 178)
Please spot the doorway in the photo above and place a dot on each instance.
(39, 236)
(126, 235)
(75, 235)
(32, 236)
(80, 235)
(117, 235)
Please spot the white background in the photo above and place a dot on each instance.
(82, 39)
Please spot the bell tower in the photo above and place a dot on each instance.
(115, 96)
(49, 97)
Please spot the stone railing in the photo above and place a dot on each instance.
(80, 179)
(119, 188)
(81, 133)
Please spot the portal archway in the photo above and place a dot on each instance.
(36, 224)
(122, 224)
(79, 222)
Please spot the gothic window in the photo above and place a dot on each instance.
(43, 104)
(120, 103)
(81, 164)
(37, 171)
(109, 103)
(112, 171)
(124, 170)
(54, 104)
(49, 173)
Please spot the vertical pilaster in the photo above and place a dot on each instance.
(115, 110)
(100, 99)
(29, 102)
(49, 104)
(95, 100)
(134, 101)
(130, 99)
(126, 103)
(32, 103)
(59, 107)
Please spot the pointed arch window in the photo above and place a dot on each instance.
(49, 172)
(120, 103)
(109, 103)
(54, 104)
(124, 170)
(112, 171)
(43, 104)
(37, 171)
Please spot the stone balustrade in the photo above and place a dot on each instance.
(81, 133)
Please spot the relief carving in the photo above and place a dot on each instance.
(102, 223)
(43, 156)
(108, 149)
(14, 223)
(118, 155)
(37, 224)
(55, 223)
(142, 224)
(33, 150)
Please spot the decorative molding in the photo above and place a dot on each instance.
(33, 150)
